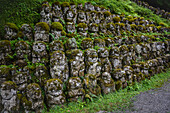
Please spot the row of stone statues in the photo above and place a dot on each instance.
(158, 11)
(32, 100)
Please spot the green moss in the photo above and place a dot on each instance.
(12, 26)
(82, 25)
(133, 26)
(117, 19)
(129, 17)
(108, 25)
(26, 102)
(57, 26)
(107, 13)
(63, 33)
(20, 34)
(9, 85)
(93, 24)
(65, 4)
(44, 25)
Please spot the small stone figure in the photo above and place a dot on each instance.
(57, 13)
(27, 31)
(103, 55)
(82, 29)
(54, 92)
(76, 63)
(41, 75)
(129, 73)
(56, 45)
(87, 43)
(106, 83)
(93, 29)
(56, 30)
(92, 64)
(46, 14)
(70, 27)
(74, 8)
(10, 101)
(114, 58)
(59, 66)
(119, 77)
(22, 50)
(81, 17)
(75, 89)
(41, 32)
(69, 16)
(71, 44)
(65, 7)
(110, 29)
(5, 52)
(99, 42)
(11, 31)
(39, 53)
(33, 100)
(21, 79)
(91, 87)
(109, 42)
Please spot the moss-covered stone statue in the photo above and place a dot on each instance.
(11, 31)
(119, 77)
(81, 17)
(22, 79)
(22, 50)
(70, 27)
(109, 42)
(71, 44)
(4, 74)
(103, 54)
(129, 73)
(56, 45)
(39, 53)
(58, 66)
(114, 58)
(99, 42)
(56, 30)
(57, 13)
(76, 63)
(75, 89)
(33, 100)
(46, 14)
(90, 85)
(10, 100)
(107, 83)
(41, 32)
(87, 43)
(6, 52)
(54, 92)
(41, 75)
(93, 29)
(27, 31)
(82, 29)
(92, 64)
(74, 8)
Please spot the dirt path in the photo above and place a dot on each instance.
(152, 101)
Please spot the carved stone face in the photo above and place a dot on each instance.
(92, 81)
(8, 90)
(71, 44)
(99, 42)
(10, 33)
(59, 66)
(103, 52)
(54, 93)
(56, 45)
(41, 34)
(81, 17)
(118, 74)
(74, 83)
(106, 77)
(5, 50)
(70, 27)
(56, 33)
(91, 55)
(22, 49)
(82, 31)
(70, 15)
(93, 28)
(114, 51)
(21, 80)
(39, 49)
(33, 92)
(87, 43)
(56, 7)
(102, 28)
(27, 31)
(10, 102)
(80, 6)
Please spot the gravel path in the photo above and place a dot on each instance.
(152, 101)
